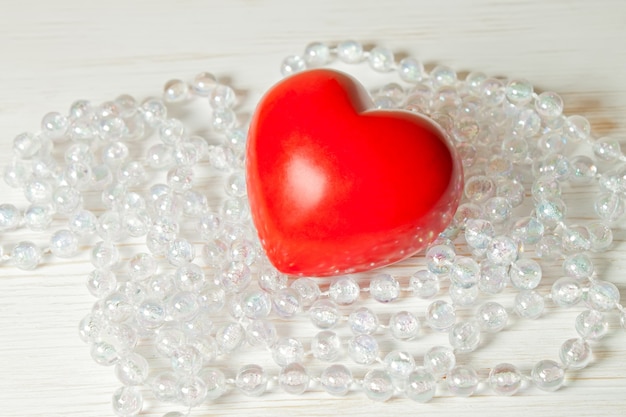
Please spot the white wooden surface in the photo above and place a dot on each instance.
(52, 53)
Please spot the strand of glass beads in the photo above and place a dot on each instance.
(201, 320)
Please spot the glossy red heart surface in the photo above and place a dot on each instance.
(336, 187)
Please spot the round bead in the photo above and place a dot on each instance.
(163, 387)
(440, 315)
(203, 84)
(36, 217)
(307, 289)
(26, 256)
(420, 385)
(462, 381)
(505, 379)
(591, 325)
(549, 105)
(493, 278)
(317, 54)
(127, 401)
(350, 52)
(377, 385)
(575, 353)
(465, 336)
(424, 284)
(214, 381)
(462, 296)
(404, 325)
(384, 288)
(293, 379)
(251, 380)
(64, 244)
(492, 317)
(324, 314)
(132, 369)
(186, 359)
(271, 280)
(344, 291)
(104, 353)
(439, 360)
(363, 349)
(363, 321)
(287, 350)
(286, 302)
(261, 333)
(578, 266)
(548, 375)
(336, 380)
(600, 236)
(326, 346)
(478, 233)
(230, 337)
(439, 259)
(502, 250)
(175, 91)
(399, 364)
(292, 64)
(529, 304)
(525, 274)
(602, 296)
(381, 59)
(464, 272)
(10, 217)
(566, 292)
(519, 92)
(192, 390)
(411, 70)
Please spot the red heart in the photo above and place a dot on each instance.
(336, 188)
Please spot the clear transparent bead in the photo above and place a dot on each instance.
(101, 282)
(171, 131)
(271, 280)
(307, 289)
(424, 284)
(440, 315)
(608, 149)
(378, 385)
(292, 65)
(492, 92)
(316, 54)
(439, 360)
(26, 145)
(180, 252)
(600, 236)
(528, 230)
(261, 333)
(132, 369)
(583, 170)
(324, 314)
(293, 379)
(326, 346)
(443, 75)
(203, 84)
(602, 296)
(286, 302)
(256, 304)
(462, 381)
(215, 383)
(381, 59)
(350, 52)
(575, 238)
(493, 278)
(411, 70)
(222, 97)
(420, 385)
(464, 272)
(104, 353)
(384, 288)
(175, 91)
(505, 379)
(497, 209)
(191, 390)
(287, 350)
(519, 92)
(566, 292)
(127, 401)
(578, 266)
(344, 291)
(525, 274)
(336, 380)
(183, 305)
(54, 126)
(37, 217)
(251, 380)
(529, 304)
(10, 217)
(404, 325)
(463, 296)
(163, 387)
(38, 191)
(478, 233)
(439, 259)
(230, 337)
(492, 317)
(549, 105)
(26, 256)
(592, 325)
(577, 128)
(548, 375)
(15, 174)
(363, 321)
(151, 313)
(609, 206)
(549, 247)
(575, 353)
(64, 244)
(465, 336)
(502, 250)
(399, 364)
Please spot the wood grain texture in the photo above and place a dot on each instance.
(55, 52)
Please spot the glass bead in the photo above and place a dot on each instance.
(575, 353)
(287, 350)
(324, 314)
(548, 375)
(336, 380)
(64, 244)
(230, 337)
(549, 105)
(583, 170)
(515, 149)
(377, 385)
(292, 65)
(578, 266)
(104, 353)
(384, 288)
(222, 97)
(109, 226)
(10, 217)
(251, 380)
(78, 175)
(548, 247)
(608, 149)
(609, 206)
(529, 304)
(38, 191)
(479, 188)
(439, 259)
(519, 92)
(497, 209)
(440, 315)
(466, 212)
(363, 321)
(420, 385)
(575, 238)
(424, 284)
(492, 92)
(566, 292)
(112, 128)
(90, 327)
(465, 336)
(602, 296)
(180, 252)
(478, 233)
(26, 145)
(182, 305)
(326, 346)
(286, 302)
(528, 230)
(344, 291)
(164, 387)
(132, 369)
(551, 211)
(592, 325)
(271, 280)
(26, 256)
(525, 274)
(203, 84)
(307, 289)
(219, 157)
(261, 333)
(317, 54)
(464, 272)
(577, 128)
(293, 379)
(505, 379)
(171, 131)
(101, 282)
(15, 174)
(381, 59)
(151, 313)
(350, 52)
(214, 381)
(462, 381)
(175, 91)
(502, 250)
(191, 390)
(54, 126)
(493, 278)
(256, 304)
(411, 70)
(463, 296)
(404, 325)
(127, 401)
(363, 349)
(600, 236)
(492, 317)
(443, 75)
(439, 360)
(399, 364)
(168, 339)
(527, 123)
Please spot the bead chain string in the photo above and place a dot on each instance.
(162, 306)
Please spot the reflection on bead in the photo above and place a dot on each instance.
(377, 385)
(336, 380)
(575, 353)
(462, 381)
(548, 375)
(292, 65)
(439, 360)
(505, 379)
(440, 315)
(404, 325)
(492, 317)
(307, 289)
(26, 256)
(287, 350)
(424, 284)
(104, 353)
(591, 325)
(326, 346)
(549, 105)
(411, 70)
(384, 288)
(399, 364)
(602, 296)
(251, 380)
(381, 59)
(324, 314)
(286, 302)
(529, 304)
(420, 385)
(293, 379)
(465, 336)
(316, 54)
(363, 349)
(363, 321)
(344, 291)
(175, 91)
(132, 369)
(127, 401)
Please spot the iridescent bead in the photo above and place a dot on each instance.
(609, 206)
(286, 302)
(502, 250)
(439, 259)
(600, 236)
(64, 244)
(101, 282)
(602, 296)
(566, 292)
(377, 385)
(214, 381)
(54, 126)
(10, 217)
(175, 91)
(462, 381)
(492, 317)
(336, 380)
(154, 111)
(230, 337)
(256, 304)
(363, 321)
(109, 226)
(251, 380)
(26, 256)
(271, 280)
(549, 105)
(492, 92)
(608, 149)
(163, 387)
(317, 54)
(497, 209)
(439, 360)
(324, 314)
(292, 65)
(307, 289)
(583, 170)
(15, 174)
(350, 52)
(411, 70)
(519, 92)
(525, 274)
(90, 327)
(505, 379)
(493, 278)
(104, 353)
(192, 390)
(443, 75)
(78, 175)
(399, 364)
(38, 191)
(326, 346)
(344, 291)
(293, 379)
(26, 145)
(578, 266)
(424, 284)
(479, 188)
(440, 315)
(464, 272)
(465, 336)
(420, 385)
(478, 233)
(127, 401)
(261, 333)
(404, 325)
(363, 349)
(528, 230)
(381, 59)
(203, 83)
(287, 350)
(577, 128)
(592, 325)
(548, 375)
(549, 247)
(132, 369)
(171, 131)
(151, 313)
(575, 353)
(384, 288)
(529, 304)
(463, 296)
(180, 252)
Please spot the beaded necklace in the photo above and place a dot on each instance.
(196, 301)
